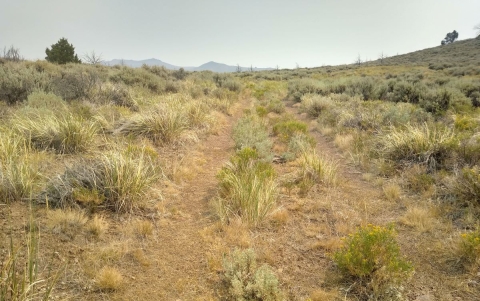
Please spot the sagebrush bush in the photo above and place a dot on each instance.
(75, 82)
(17, 81)
(246, 281)
(139, 77)
(247, 188)
(251, 132)
(314, 105)
(372, 255)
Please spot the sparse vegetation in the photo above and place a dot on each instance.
(87, 146)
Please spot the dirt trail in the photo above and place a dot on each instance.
(178, 270)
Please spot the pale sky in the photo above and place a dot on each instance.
(262, 33)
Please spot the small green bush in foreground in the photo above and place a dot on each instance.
(246, 281)
(372, 255)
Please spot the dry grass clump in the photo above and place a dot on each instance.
(109, 279)
(392, 191)
(97, 226)
(246, 281)
(118, 180)
(418, 144)
(65, 134)
(344, 142)
(421, 218)
(247, 188)
(142, 228)
(67, 222)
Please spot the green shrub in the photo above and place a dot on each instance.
(247, 282)
(372, 256)
(299, 87)
(286, 129)
(251, 132)
(247, 188)
(469, 248)
(261, 111)
(436, 102)
(407, 92)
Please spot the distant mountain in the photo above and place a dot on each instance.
(137, 64)
(210, 66)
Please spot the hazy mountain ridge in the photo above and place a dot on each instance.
(210, 66)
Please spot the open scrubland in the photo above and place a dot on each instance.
(357, 182)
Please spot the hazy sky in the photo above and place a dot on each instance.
(262, 33)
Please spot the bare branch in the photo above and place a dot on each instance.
(12, 54)
(93, 58)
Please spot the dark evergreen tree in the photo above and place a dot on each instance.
(450, 38)
(61, 53)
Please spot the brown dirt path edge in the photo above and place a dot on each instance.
(178, 270)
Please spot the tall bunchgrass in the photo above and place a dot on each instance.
(19, 175)
(118, 179)
(164, 125)
(64, 134)
(20, 279)
(247, 188)
(425, 144)
(315, 169)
